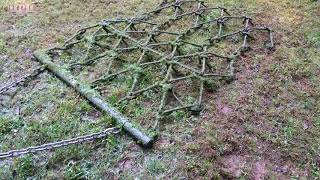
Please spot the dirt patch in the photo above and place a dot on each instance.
(259, 170)
(232, 166)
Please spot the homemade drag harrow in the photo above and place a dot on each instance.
(155, 56)
(165, 59)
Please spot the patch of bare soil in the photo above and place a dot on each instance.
(259, 170)
(232, 166)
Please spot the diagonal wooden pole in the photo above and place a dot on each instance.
(92, 96)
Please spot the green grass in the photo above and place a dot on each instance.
(274, 101)
(155, 167)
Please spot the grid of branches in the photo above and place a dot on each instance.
(184, 42)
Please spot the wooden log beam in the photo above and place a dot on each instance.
(92, 96)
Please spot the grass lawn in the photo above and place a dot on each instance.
(263, 125)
